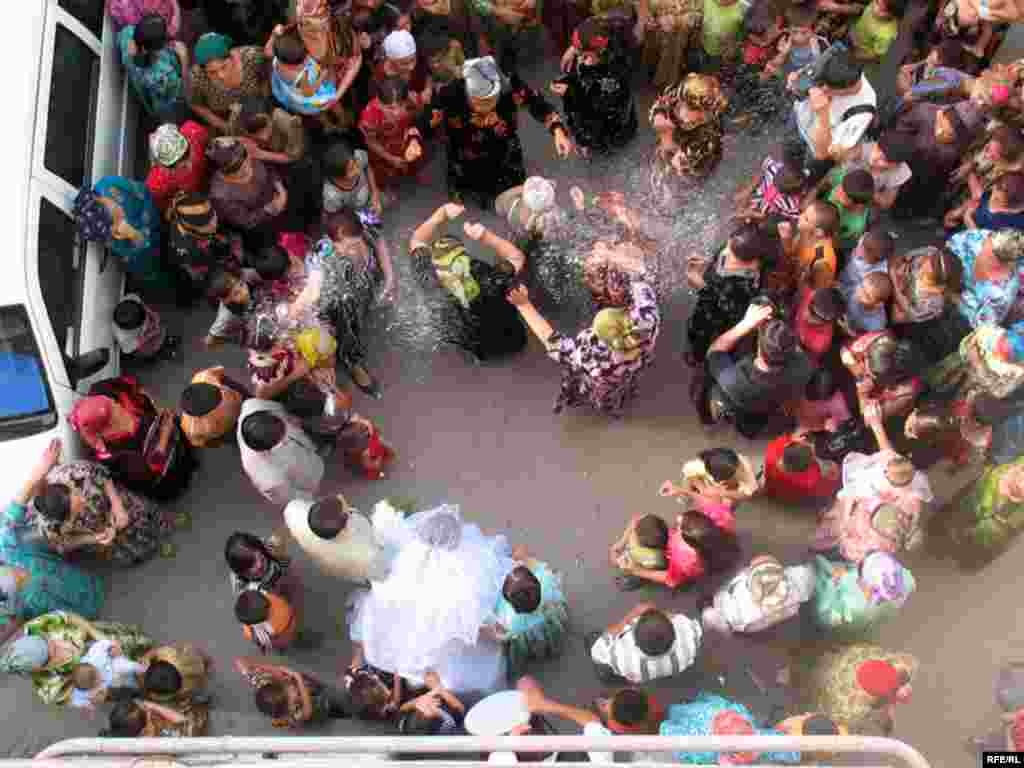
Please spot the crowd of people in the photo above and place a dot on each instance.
(280, 134)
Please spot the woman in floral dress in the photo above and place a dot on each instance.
(33, 579)
(851, 600)
(601, 364)
(130, 12)
(919, 298)
(140, 719)
(81, 507)
(223, 75)
(689, 114)
(49, 648)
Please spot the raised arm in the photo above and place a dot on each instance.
(424, 234)
(49, 459)
(537, 703)
(756, 317)
(541, 328)
(499, 245)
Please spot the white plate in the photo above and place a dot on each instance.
(498, 714)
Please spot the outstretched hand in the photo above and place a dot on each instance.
(758, 315)
(518, 296)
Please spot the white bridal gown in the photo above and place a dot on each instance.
(427, 614)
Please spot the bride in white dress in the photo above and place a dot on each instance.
(445, 581)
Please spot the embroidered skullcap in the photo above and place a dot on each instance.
(483, 78)
(212, 46)
(167, 145)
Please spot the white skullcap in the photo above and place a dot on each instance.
(538, 194)
(399, 45)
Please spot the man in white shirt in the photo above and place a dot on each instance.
(279, 458)
(837, 112)
(646, 645)
(537, 703)
(339, 538)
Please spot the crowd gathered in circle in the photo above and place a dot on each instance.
(280, 134)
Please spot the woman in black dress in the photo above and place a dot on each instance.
(477, 318)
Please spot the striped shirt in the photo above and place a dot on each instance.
(621, 653)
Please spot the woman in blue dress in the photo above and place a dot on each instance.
(33, 579)
(712, 715)
(121, 214)
(532, 614)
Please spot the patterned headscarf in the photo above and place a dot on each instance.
(212, 46)
(768, 585)
(95, 224)
(614, 327)
(90, 416)
(26, 654)
(1008, 245)
(885, 578)
(454, 269)
(703, 92)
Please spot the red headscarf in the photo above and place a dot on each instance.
(879, 678)
(729, 722)
(90, 417)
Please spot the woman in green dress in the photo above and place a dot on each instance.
(33, 579)
(51, 646)
(981, 521)
(849, 600)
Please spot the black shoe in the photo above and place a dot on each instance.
(629, 583)
(372, 388)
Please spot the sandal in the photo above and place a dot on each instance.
(629, 583)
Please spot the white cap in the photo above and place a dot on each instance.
(399, 45)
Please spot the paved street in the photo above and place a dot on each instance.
(485, 438)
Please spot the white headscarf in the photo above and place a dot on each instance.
(538, 194)
(399, 45)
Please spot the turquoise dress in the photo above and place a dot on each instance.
(695, 718)
(55, 585)
(141, 259)
(840, 604)
(160, 86)
(540, 634)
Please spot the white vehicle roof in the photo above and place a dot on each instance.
(20, 56)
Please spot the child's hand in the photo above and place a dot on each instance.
(667, 489)
(559, 88)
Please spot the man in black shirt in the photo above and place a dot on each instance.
(747, 389)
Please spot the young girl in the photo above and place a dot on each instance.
(777, 190)
(231, 295)
(140, 333)
(438, 712)
(649, 551)
(349, 182)
(389, 126)
(715, 482)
